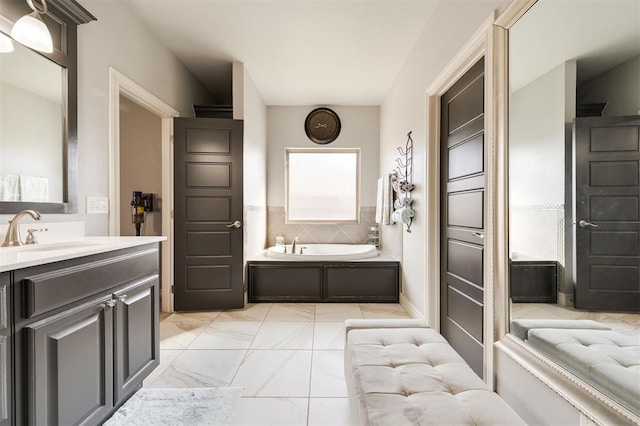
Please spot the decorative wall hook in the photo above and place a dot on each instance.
(404, 184)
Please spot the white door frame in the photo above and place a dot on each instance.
(119, 84)
(480, 44)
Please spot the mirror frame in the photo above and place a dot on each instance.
(592, 404)
(63, 18)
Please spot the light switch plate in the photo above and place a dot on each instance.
(97, 205)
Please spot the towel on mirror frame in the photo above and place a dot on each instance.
(384, 200)
(34, 188)
(10, 188)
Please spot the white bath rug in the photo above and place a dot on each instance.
(185, 406)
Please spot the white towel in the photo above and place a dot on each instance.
(34, 188)
(384, 200)
(10, 188)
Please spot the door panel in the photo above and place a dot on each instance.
(208, 200)
(466, 158)
(462, 216)
(607, 222)
(71, 366)
(137, 348)
(465, 261)
(466, 209)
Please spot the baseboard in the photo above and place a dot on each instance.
(408, 306)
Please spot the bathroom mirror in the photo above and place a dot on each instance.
(33, 108)
(574, 62)
(38, 112)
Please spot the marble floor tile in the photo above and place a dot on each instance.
(292, 312)
(166, 358)
(337, 311)
(179, 334)
(383, 310)
(328, 335)
(193, 316)
(284, 335)
(327, 374)
(329, 412)
(251, 312)
(227, 335)
(271, 411)
(200, 368)
(276, 373)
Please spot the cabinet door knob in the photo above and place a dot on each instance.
(110, 303)
(122, 298)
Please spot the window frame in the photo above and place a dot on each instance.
(319, 150)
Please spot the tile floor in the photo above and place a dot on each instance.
(288, 357)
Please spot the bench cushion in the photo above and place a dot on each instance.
(411, 376)
(607, 359)
(521, 327)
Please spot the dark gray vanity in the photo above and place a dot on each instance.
(78, 336)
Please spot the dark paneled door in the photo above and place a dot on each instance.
(607, 213)
(462, 216)
(208, 214)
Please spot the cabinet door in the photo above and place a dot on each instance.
(70, 366)
(6, 384)
(137, 336)
(285, 282)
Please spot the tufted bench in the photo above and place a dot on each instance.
(607, 359)
(400, 372)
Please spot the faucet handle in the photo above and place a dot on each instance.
(31, 239)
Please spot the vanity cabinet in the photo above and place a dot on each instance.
(6, 381)
(86, 335)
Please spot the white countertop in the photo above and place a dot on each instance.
(12, 258)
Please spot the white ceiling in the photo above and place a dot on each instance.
(349, 52)
(597, 34)
(297, 52)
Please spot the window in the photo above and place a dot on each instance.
(322, 185)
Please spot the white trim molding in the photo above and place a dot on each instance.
(119, 84)
(475, 48)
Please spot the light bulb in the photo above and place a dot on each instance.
(6, 45)
(31, 31)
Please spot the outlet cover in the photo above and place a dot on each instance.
(97, 205)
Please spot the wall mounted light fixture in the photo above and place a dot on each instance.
(31, 30)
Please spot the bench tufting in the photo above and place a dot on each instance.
(607, 359)
(399, 372)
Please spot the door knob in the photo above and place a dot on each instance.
(584, 224)
(235, 224)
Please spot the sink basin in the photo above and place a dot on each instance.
(50, 247)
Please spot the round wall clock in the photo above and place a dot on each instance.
(322, 125)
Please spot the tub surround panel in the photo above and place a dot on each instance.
(283, 281)
(319, 233)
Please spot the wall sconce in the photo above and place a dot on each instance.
(31, 30)
(6, 45)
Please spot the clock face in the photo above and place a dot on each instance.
(322, 126)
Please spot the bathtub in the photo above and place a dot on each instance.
(324, 252)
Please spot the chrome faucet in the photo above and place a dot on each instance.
(12, 237)
(293, 245)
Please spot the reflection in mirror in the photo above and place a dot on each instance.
(32, 127)
(574, 189)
